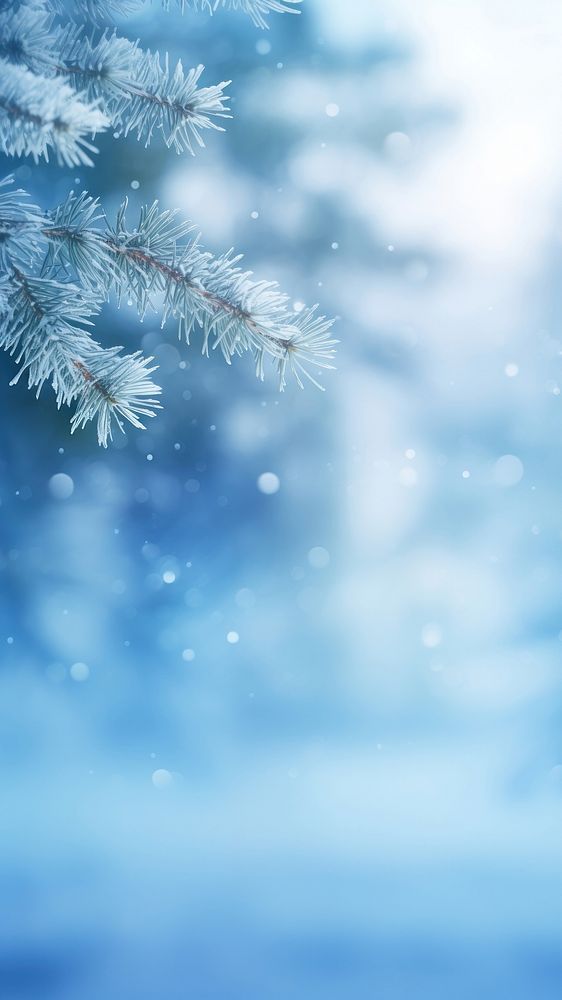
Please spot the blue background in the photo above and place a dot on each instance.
(361, 797)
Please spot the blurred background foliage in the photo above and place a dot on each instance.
(306, 743)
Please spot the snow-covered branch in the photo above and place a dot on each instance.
(61, 82)
(161, 259)
(38, 115)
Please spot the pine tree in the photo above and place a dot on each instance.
(62, 81)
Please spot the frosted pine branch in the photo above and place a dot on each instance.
(26, 37)
(21, 226)
(170, 100)
(98, 11)
(114, 387)
(161, 258)
(74, 258)
(59, 85)
(45, 330)
(138, 91)
(39, 114)
(95, 11)
(44, 327)
(141, 93)
(258, 10)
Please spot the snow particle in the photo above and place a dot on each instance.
(245, 598)
(232, 638)
(318, 557)
(79, 671)
(466, 474)
(61, 486)
(332, 110)
(508, 470)
(511, 369)
(169, 576)
(188, 655)
(263, 47)
(268, 483)
(161, 778)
